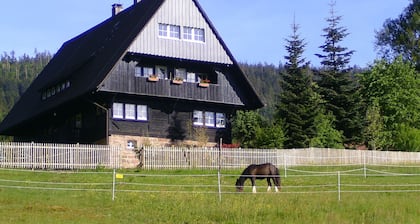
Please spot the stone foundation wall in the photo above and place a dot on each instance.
(129, 158)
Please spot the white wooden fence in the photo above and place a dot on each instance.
(75, 156)
(57, 156)
(173, 157)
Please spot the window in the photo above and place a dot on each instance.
(55, 89)
(181, 72)
(188, 33)
(191, 77)
(198, 118)
(169, 31)
(174, 32)
(220, 120)
(142, 112)
(209, 119)
(148, 71)
(138, 71)
(162, 72)
(130, 112)
(131, 144)
(199, 35)
(202, 77)
(163, 30)
(117, 111)
(193, 34)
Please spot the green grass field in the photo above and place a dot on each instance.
(191, 196)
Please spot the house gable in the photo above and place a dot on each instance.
(93, 63)
(182, 14)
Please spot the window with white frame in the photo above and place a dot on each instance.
(198, 118)
(118, 110)
(220, 120)
(188, 33)
(163, 30)
(169, 31)
(142, 112)
(209, 119)
(130, 112)
(199, 35)
(174, 32)
(193, 34)
(191, 77)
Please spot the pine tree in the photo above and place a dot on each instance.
(298, 100)
(336, 86)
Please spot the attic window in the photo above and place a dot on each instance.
(169, 31)
(55, 89)
(193, 34)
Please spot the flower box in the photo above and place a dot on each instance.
(153, 78)
(177, 81)
(203, 84)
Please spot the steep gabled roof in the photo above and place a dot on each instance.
(86, 60)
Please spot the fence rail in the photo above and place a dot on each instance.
(57, 156)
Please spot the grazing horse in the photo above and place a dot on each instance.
(260, 171)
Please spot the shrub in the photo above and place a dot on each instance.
(407, 139)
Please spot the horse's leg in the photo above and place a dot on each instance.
(269, 184)
(254, 188)
(276, 183)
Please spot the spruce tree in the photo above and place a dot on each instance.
(298, 100)
(336, 86)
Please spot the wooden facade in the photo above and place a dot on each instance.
(158, 69)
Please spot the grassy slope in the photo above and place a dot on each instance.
(196, 204)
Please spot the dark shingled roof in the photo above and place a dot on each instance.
(86, 60)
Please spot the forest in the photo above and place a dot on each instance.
(328, 105)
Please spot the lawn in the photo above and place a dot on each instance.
(191, 196)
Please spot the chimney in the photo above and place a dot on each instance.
(116, 8)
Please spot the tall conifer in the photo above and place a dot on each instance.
(336, 86)
(298, 100)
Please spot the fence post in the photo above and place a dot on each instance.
(285, 164)
(113, 185)
(339, 185)
(218, 172)
(364, 163)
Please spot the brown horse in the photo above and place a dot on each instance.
(260, 171)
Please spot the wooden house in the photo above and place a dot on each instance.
(157, 71)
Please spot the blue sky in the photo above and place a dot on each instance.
(254, 31)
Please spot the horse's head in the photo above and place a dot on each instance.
(239, 186)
